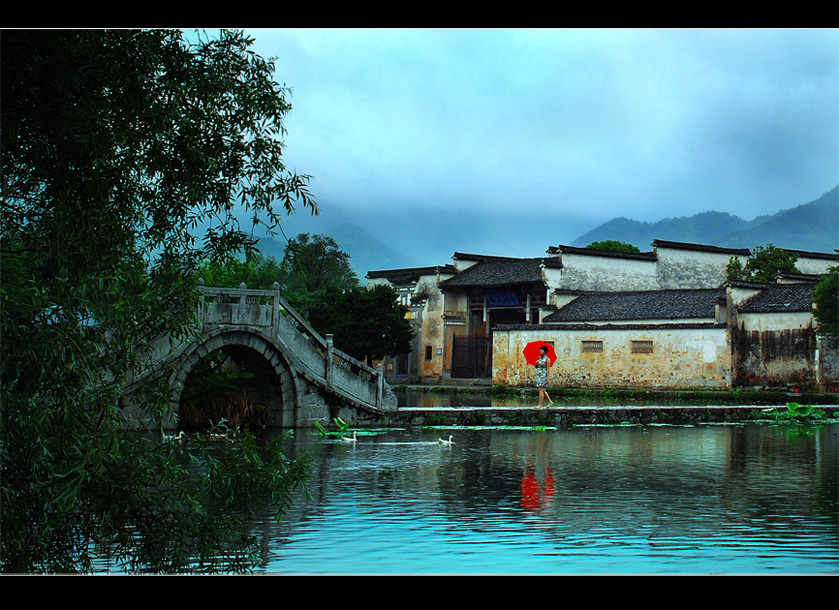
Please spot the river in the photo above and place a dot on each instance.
(708, 499)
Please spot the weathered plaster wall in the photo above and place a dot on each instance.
(737, 295)
(691, 268)
(378, 281)
(428, 322)
(775, 357)
(602, 273)
(432, 327)
(828, 364)
(552, 278)
(681, 357)
(775, 321)
(815, 266)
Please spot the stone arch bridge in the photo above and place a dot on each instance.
(301, 377)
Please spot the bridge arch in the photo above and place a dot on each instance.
(276, 377)
(305, 377)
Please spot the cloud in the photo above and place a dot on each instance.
(572, 127)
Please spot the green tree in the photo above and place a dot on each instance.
(366, 324)
(257, 271)
(612, 245)
(310, 265)
(764, 265)
(826, 303)
(314, 263)
(117, 146)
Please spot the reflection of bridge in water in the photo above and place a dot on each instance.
(299, 376)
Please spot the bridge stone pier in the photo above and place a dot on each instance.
(300, 376)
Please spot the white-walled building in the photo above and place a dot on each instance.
(471, 316)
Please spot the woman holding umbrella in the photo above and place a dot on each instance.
(541, 355)
(542, 364)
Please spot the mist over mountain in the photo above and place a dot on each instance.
(389, 241)
(366, 253)
(813, 227)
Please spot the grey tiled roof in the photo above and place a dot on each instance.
(640, 305)
(607, 327)
(780, 298)
(657, 243)
(828, 256)
(678, 245)
(644, 256)
(495, 271)
(400, 277)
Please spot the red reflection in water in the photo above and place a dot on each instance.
(536, 494)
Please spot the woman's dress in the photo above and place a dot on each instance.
(542, 371)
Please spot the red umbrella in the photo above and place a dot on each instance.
(531, 352)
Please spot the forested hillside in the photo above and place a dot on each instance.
(813, 227)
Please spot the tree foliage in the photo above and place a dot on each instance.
(826, 303)
(764, 265)
(125, 157)
(366, 324)
(312, 264)
(257, 271)
(315, 276)
(612, 245)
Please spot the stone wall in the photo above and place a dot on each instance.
(778, 357)
(679, 356)
(828, 364)
(564, 417)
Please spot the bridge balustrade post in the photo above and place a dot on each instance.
(380, 386)
(329, 353)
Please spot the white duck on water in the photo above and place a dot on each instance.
(349, 440)
(446, 442)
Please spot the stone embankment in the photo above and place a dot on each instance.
(566, 417)
(610, 407)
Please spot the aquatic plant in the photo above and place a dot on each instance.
(435, 420)
(795, 412)
(343, 427)
(496, 427)
(610, 394)
(501, 389)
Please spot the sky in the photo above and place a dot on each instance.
(508, 141)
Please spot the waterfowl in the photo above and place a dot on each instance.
(173, 437)
(446, 442)
(349, 440)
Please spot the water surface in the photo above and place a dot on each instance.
(750, 499)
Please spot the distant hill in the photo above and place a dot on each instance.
(366, 253)
(812, 227)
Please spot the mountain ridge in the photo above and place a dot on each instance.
(812, 227)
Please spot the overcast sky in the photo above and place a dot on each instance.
(509, 141)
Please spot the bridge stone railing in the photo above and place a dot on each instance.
(314, 356)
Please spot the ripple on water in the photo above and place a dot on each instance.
(653, 501)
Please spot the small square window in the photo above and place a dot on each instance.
(642, 347)
(591, 347)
